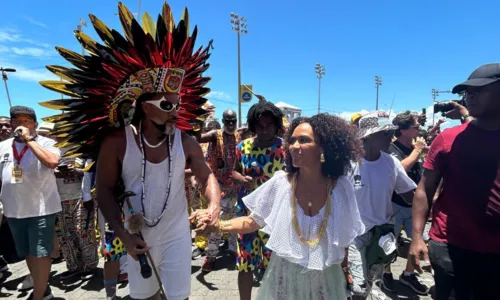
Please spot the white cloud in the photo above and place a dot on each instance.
(35, 22)
(26, 73)
(9, 35)
(220, 97)
(32, 51)
(32, 75)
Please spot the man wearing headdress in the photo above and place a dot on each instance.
(149, 87)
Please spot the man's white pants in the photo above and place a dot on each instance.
(173, 262)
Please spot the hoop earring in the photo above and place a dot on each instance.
(322, 158)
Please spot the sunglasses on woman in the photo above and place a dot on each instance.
(165, 105)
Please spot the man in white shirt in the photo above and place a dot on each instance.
(29, 195)
(374, 179)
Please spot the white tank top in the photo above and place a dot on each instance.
(174, 223)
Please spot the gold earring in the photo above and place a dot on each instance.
(322, 158)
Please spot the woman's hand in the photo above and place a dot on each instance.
(203, 220)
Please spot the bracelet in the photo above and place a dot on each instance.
(223, 224)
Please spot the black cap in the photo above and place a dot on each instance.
(484, 75)
(22, 110)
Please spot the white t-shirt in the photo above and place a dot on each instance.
(374, 183)
(37, 195)
(69, 187)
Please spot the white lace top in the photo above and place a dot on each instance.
(270, 205)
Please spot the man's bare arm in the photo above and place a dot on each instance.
(199, 168)
(422, 202)
(107, 176)
(208, 137)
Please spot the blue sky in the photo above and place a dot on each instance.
(413, 45)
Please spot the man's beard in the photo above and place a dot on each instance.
(165, 128)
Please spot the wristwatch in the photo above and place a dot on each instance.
(30, 139)
(464, 118)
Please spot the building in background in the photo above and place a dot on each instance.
(291, 112)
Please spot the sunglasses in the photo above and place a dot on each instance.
(165, 105)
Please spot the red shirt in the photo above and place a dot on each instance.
(467, 212)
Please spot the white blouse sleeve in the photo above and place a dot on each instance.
(346, 214)
(261, 201)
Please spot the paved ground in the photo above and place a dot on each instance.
(218, 285)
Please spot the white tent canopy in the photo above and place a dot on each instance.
(291, 112)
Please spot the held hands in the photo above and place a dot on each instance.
(204, 221)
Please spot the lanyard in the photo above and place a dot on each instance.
(18, 157)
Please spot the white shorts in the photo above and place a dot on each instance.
(173, 262)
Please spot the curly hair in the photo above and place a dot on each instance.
(264, 109)
(404, 121)
(337, 139)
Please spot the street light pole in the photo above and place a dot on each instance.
(378, 82)
(435, 93)
(320, 72)
(5, 78)
(239, 24)
(80, 28)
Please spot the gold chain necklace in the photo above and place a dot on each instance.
(324, 223)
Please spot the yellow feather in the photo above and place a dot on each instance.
(88, 43)
(168, 17)
(126, 18)
(101, 27)
(58, 70)
(149, 25)
(59, 87)
(185, 17)
(53, 105)
(89, 166)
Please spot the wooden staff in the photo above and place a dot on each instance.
(135, 223)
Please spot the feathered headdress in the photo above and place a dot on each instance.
(105, 83)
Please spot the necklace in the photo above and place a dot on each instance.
(324, 222)
(155, 221)
(153, 146)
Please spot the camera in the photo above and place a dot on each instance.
(446, 106)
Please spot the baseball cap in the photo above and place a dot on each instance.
(484, 75)
(22, 110)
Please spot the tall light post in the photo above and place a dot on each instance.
(320, 72)
(5, 78)
(80, 26)
(378, 82)
(239, 24)
(435, 94)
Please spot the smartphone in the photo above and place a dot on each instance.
(423, 119)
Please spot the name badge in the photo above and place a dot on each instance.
(17, 175)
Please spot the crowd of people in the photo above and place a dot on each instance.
(313, 208)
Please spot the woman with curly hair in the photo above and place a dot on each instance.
(310, 212)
